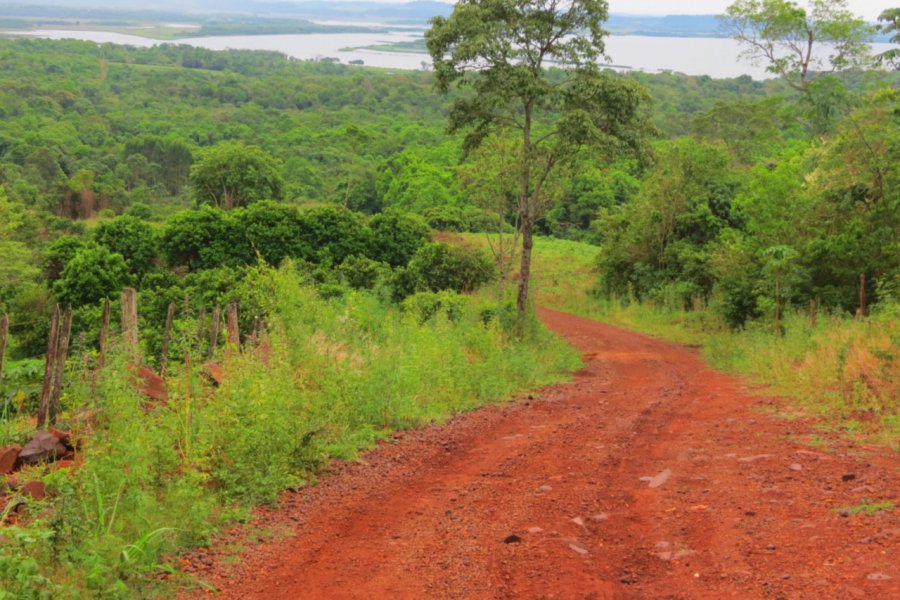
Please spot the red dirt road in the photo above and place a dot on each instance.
(648, 476)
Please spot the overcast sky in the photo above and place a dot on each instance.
(870, 9)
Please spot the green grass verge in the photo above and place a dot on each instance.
(333, 377)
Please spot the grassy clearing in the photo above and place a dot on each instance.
(333, 376)
(845, 371)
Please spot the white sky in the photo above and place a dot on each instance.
(869, 9)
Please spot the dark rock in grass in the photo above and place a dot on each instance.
(512, 539)
(150, 384)
(42, 447)
(34, 489)
(8, 458)
(848, 477)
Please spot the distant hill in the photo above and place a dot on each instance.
(410, 13)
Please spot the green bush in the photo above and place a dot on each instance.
(135, 240)
(363, 273)
(94, 273)
(396, 237)
(439, 266)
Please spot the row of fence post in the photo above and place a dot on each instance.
(60, 336)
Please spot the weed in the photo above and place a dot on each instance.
(866, 507)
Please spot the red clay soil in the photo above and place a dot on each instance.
(648, 476)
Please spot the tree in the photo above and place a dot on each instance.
(489, 178)
(232, 174)
(792, 39)
(93, 273)
(501, 50)
(134, 239)
(891, 19)
(396, 237)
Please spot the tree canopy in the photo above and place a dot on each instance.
(800, 44)
(502, 50)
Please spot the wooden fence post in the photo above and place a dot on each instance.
(214, 330)
(104, 332)
(167, 334)
(200, 319)
(862, 295)
(234, 332)
(47, 385)
(129, 322)
(813, 309)
(4, 331)
(62, 352)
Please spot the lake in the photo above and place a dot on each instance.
(716, 57)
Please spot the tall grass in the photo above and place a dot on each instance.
(331, 377)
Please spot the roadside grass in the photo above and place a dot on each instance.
(331, 377)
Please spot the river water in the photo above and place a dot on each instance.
(716, 57)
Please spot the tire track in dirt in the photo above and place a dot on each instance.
(648, 476)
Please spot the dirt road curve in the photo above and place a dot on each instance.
(649, 476)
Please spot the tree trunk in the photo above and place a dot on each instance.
(526, 214)
(524, 275)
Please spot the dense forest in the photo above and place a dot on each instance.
(751, 182)
(313, 195)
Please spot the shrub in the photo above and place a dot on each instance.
(93, 273)
(332, 232)
(132, 238)
(425, 305)
(363, 273)
(438, 266)
(396, 237)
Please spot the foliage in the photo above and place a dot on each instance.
(501, 49)
(396, 237)
(333, 377)
(790, 39)
(891, 19)
(233, 174)
(130, 237)
(94, 273)
(437, 267)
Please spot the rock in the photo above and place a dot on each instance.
(579, 549)
(34, 489)
(545, 488)
(512, 539)
(748, 459)
(796, 467)
(578, 521)
(534, 530)
(64, 437)
(8, 458)
(878, 577)
(42, 447)
(848, 477)
(149, 383)
(658, 480)
(600, 517)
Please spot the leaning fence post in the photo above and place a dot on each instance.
(62, 352)
(234, 332)
(214, 330)
(129, 322)
(167, 334)
(200, 319)
(862, 294)
(4, 331)
(104, 332)
(813, 309)
(47, 385)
